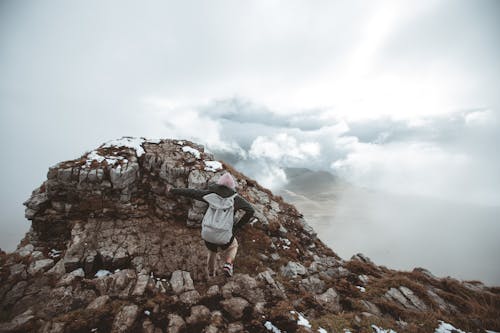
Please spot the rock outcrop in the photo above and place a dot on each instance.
(111, 250)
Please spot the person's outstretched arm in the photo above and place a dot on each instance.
(241, 203)
(190, 193)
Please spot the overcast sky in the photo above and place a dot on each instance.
(395, 95)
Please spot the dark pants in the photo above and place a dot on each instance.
(214, 247)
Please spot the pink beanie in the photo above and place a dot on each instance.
(227, 180)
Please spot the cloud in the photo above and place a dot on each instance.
(284, 149)
(446, 156)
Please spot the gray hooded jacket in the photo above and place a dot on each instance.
(223, 191)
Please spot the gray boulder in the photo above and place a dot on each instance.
(329, 300)
(181, 281)
(293, 269)
(125, 319)
(235, 306)
(40, 266)
(175, 323)
(199, 314)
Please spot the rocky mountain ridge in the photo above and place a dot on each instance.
(110, 250)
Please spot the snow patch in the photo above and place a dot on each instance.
(213, 166)
(111, 160)
(271, 327)
(447, 328)
(362, 289)
(195, 152)
(382, 330)
(102, 272)
(322, 330)
(129, 142)
(147, 312)
(53, 253)
(302, 321)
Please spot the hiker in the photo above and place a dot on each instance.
(218, 225)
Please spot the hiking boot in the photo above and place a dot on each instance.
(228, 269)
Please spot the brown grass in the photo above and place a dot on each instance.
(359, 267)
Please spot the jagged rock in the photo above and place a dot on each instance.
(123, 177)
(313, 285)
(329, 300)
(53, 327)
(371, 308)
(40, 266)
(37, 255)
(396, 295)
(361, 257)
(18, 270)
(363, 278)
(70, 277)
(199, 314)
(98, 303)
(245, 286)
(307, 228)
(122, 283)
(263, 257)
(228, 289)
(211, 329)
(25, 250)
(149, 327)
(278, 289)
(181, 281)
(442, 304)
(36, 202)
(125, 319)
(175, 323)
(58, 270)
(275, 256)
(426, 272)
(259, 308)
(23, 322)
(235, 306)
(140, 286)
(190, 297)
(293, 269)
(15, 293)
(235, 327)
(339, 271)
(213, 291)
(70, 262)
(417, 302)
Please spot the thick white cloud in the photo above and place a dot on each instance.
(448, 156)
(284, 149)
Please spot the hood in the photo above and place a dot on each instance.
(221, 190)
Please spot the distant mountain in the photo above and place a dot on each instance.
(304, 180)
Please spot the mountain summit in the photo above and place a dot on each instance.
(111, 250)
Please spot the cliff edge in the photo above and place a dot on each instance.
(110, 250)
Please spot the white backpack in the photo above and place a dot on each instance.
(217, 224)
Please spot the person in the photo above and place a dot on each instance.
(224, 191)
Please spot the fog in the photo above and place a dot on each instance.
(405, 231)
(398, 98)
